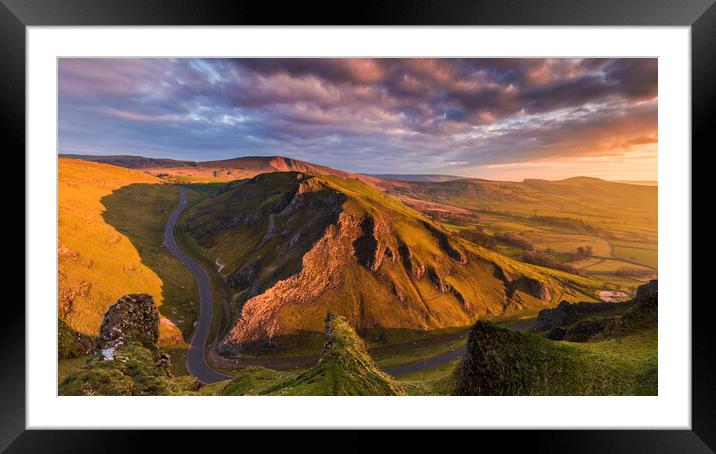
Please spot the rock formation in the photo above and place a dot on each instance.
(133, 318)
(127, 360)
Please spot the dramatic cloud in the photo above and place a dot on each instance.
(473, 117)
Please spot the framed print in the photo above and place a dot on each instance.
(420, 216)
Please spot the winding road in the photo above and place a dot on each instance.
(195, 359)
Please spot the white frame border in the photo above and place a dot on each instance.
(670, 409)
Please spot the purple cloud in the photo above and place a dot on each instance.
(364, 115)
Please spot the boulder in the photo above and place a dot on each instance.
(133, 318)
(583, 330)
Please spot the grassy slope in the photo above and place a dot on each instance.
(97, 263)
(134, 375)
(514, 363)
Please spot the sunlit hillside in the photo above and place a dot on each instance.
(292, 246)
(96, 263)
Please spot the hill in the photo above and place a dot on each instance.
(625, 211)
(132, 162)
(639, 182)
(97, 263)
(293, 246)
(416, 177)
(222, 170)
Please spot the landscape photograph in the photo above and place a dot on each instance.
(357, 226)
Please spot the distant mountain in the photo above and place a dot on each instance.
(416, 177)
(132, 162)
(222, 170)
(294, 246)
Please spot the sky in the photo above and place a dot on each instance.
(500, 119)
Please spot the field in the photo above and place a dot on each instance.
(644, 254)
(620, 258)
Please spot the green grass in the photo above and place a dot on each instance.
(132, 373)
(621, 209)
(624, 283)
(67, 367)
(178, 361)
(514, 363)
(612, 265)
(438, 381)
(409, 354)
(72, 344)
(254, 380)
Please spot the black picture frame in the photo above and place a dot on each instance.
(16, 15)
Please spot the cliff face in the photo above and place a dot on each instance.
(295, 246)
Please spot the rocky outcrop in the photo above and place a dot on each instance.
(366, 245)
(496, 362)
(529, 285)
(646, 300)
(567, 313)
(445, 244)
(345, 368)
(412, 265)
(126, 360)
(258, 323)
(578, 322)
(133, 318)
(585, 329)
(503, 362)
